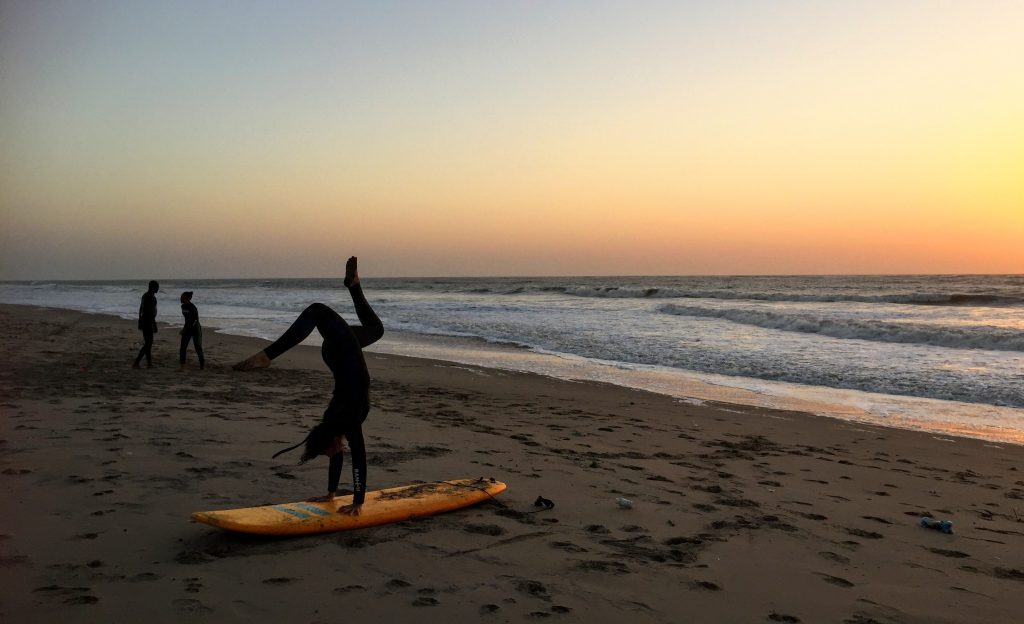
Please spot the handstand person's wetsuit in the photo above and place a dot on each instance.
(342, 351)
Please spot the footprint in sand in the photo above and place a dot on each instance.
(863, 533)
(831, 556)
(705, 585)
(348, 589)
(533, 588)
(484, 529)
(1008, 573)
(425, 601)
(57, 590)
(568, 547)
(835, 580)
(191, 606)
(955, 554)
(782, 617)
(811, 516)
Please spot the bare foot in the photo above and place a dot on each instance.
(351, 273)
(260, 360)
(136, 365)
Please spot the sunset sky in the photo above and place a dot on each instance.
(274, 139)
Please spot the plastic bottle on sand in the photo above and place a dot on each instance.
(939, 525)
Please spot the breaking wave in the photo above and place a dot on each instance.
(989, 338)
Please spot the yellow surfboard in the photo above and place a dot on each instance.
(380, 507)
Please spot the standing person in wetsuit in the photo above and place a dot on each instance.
(342, 351)
(192, 330)
(147, 323)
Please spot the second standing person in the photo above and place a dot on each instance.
(192, 331)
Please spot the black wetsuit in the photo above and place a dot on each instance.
(342, 351)
(191, 331)
(147, 323)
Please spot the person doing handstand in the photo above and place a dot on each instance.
(342, 351)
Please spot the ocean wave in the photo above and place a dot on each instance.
(905, 298)
(988, 338)
(966, 291)
(617, 292)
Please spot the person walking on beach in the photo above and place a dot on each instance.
(192, 330)
(147, 323)
(342, 351)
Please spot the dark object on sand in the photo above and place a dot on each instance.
(939, 525)
(543, 503)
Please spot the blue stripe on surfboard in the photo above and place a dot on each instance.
(295, 512)
(313, 508)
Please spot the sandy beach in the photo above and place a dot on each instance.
(739, 514)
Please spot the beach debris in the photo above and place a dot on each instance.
(624, 503)
(543, 503)
(945, 526)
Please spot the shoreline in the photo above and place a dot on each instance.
(937, 417)
(740, 514)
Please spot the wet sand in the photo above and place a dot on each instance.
(739, 514)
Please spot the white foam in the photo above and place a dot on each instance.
(941, 335)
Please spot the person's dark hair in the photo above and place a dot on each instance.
(320, 438)
(154, 286)
(187, 295)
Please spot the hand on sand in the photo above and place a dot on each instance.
(351, 273)
(260, 360)
(350, 510)
(326, 498)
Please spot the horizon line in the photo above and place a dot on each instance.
(522, 277)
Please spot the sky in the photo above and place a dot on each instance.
(275, 139)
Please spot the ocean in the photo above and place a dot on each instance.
(939, 353)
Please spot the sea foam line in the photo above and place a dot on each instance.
(988, 338)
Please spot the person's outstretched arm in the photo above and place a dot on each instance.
(334, 472)
(358, 447)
